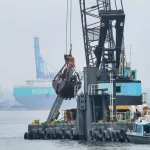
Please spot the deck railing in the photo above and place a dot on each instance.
(144, 97)
(93, 89)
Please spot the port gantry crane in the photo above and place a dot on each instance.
(42, 71)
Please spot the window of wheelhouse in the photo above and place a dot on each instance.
(139, 129)
(134, 127)
(147, 129)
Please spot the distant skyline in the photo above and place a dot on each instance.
(22, 20)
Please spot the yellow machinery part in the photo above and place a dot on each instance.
(145, 108)
(53, 122)
(120, 107)
(37, 121)
(100, 121)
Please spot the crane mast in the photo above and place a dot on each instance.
(99, 21)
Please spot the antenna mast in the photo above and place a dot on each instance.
(130, 55)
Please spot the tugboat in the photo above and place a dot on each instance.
(140, 133)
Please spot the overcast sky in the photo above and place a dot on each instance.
(21, 20)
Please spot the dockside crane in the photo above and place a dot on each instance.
(42, 71)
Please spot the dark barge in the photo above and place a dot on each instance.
(110, 85)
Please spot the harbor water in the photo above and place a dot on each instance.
(13, 124)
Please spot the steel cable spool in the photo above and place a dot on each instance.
(104, 135)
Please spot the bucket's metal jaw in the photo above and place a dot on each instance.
(66, 79)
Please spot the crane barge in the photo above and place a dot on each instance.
(110, 86)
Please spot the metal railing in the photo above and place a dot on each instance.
(111, 96)
(124, 116)
(93, 89)
(77, 90)
(144, 97)
(131, 115)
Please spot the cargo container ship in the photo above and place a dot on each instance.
(35, 94)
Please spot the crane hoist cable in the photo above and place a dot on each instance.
(67, 24)
(70, 25)
(67, 14)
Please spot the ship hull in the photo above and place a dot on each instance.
(36, 102)
(43, 102)
(40, 97)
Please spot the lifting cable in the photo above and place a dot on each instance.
(70, 25)
(67, 14)
(67, 25)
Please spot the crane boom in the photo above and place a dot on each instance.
(98, 24)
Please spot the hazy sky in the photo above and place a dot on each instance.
(21, 20)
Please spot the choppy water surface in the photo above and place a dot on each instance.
(13, 124)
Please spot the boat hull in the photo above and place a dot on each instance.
(43, 102)
(36, 102)
(139, 139)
